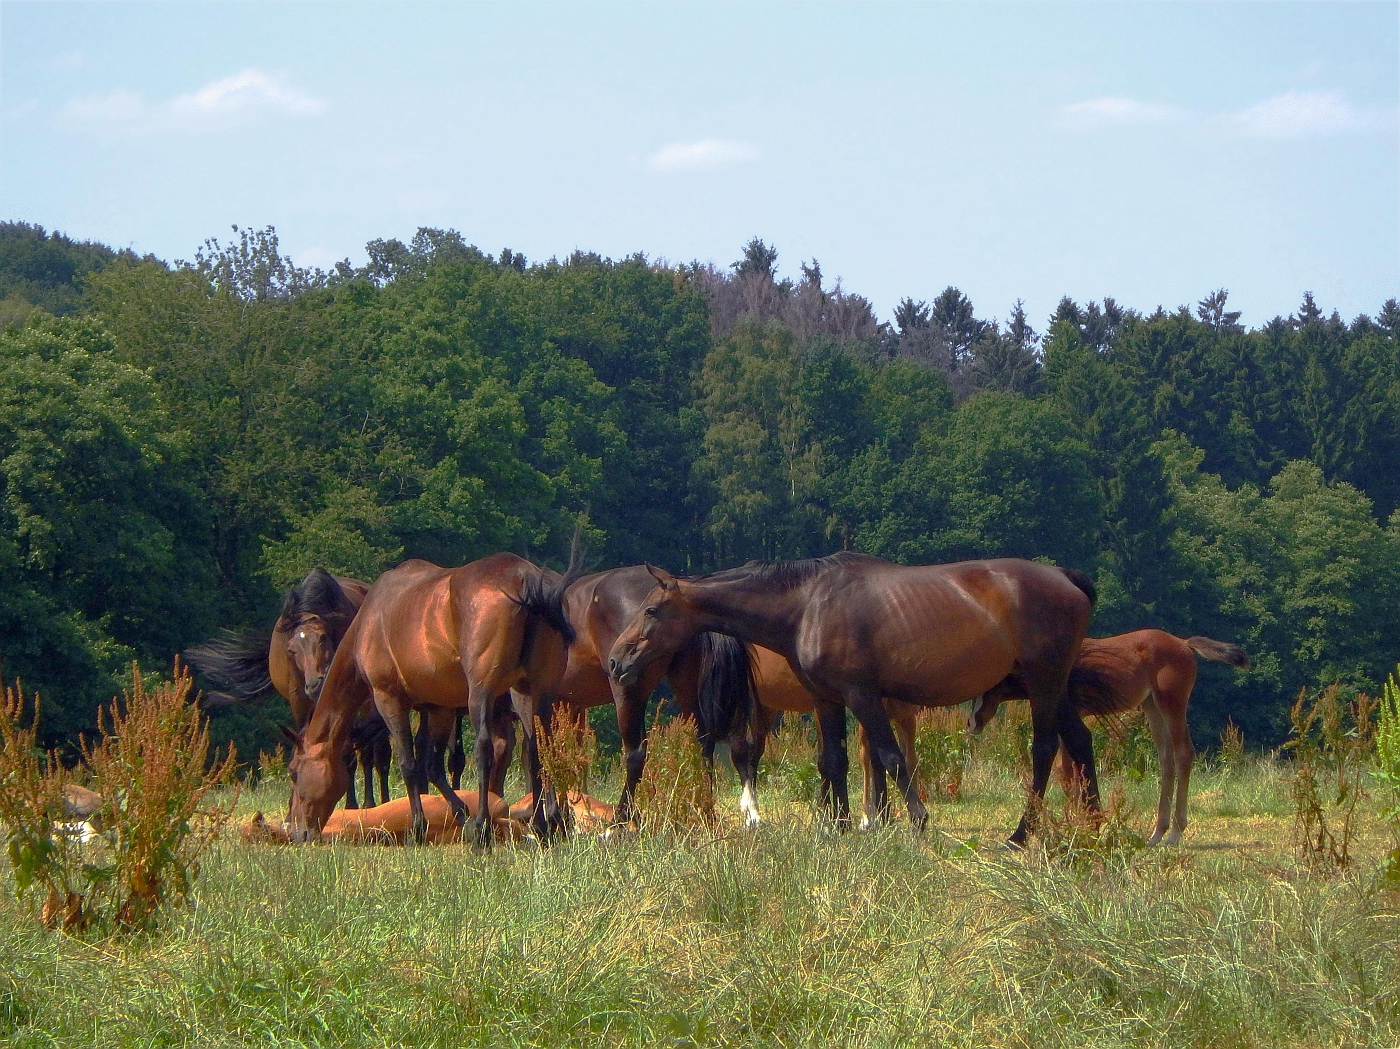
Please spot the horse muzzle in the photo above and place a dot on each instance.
(624, 671)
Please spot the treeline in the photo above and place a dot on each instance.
(178, 442)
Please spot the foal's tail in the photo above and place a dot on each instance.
(544, 600)
(1220, 651)
(236, 662)
(727, 692)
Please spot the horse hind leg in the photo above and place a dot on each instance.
(1166, 765)
(457, 757)
(745, 751)
(440, 723)
(833, 763)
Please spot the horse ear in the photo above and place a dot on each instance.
(663, 578)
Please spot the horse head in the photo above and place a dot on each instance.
(665, 623)
(319, 779)
(311, 645)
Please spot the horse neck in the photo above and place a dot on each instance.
(342, 695)
(760, 614)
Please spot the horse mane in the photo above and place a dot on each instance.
(787, 574)
(319, 594)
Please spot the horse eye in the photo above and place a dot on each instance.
(650, 613)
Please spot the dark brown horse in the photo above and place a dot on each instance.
(708, 674)
(439, 640)
(293, 662)
(1153, 670)
(856, 629)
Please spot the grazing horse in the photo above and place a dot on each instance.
(293, 661)
(709, 675)
(856, 630)
(1153, 670)
(439, 640)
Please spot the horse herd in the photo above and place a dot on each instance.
(502, 642)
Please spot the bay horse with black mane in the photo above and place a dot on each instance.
(856, 629)
(439, 640)
(293, 661)
(1150, 669)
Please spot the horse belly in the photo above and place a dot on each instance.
(778, 687)
(946, 671)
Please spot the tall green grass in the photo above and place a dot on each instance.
(789, 936)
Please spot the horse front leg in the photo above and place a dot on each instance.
(834, 763)
(401, 741)
(457, 759)
(886, 756)
(351, 802)
(631, 705)
(440, 723)
(503, 743)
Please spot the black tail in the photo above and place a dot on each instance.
(544, 600)
(727, 689)
(236, 662)
(1084, 581)
(1220, 651)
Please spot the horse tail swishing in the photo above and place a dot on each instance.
(236, 662)
(1219, 651)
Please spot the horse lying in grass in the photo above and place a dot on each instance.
(392, 822)
(856, 630)
(1150, 669)
(439, 640)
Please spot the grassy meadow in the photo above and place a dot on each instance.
(784, 936)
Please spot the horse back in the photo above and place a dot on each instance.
(942, 634)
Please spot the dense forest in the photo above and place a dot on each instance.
(180, 441)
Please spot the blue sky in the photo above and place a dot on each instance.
(1151, 152)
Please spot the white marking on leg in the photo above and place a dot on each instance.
(748, 805)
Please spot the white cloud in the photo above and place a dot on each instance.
(1119, 112)
(220, 103)
(120, 108)
(243, 93)
(708, 154)
(1301, 114)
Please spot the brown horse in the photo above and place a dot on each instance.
(1153, 670)
(439, 640)
(709, 674)
(293, 662)
(856, 629)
